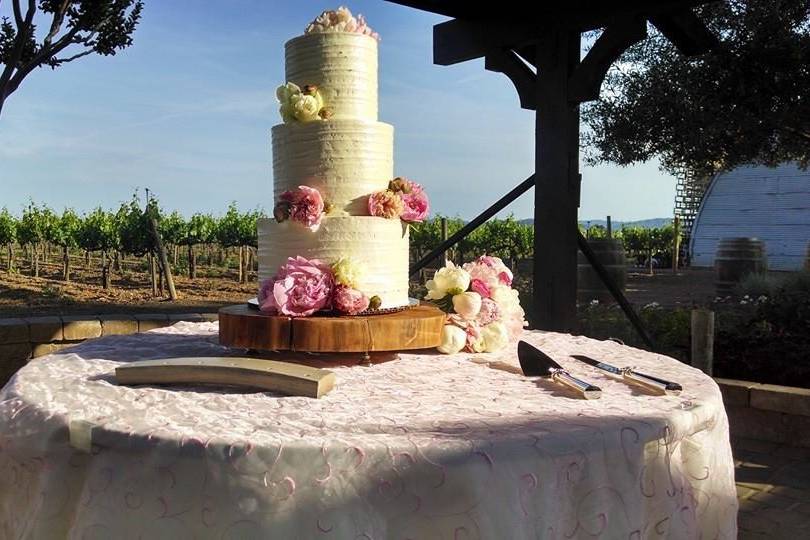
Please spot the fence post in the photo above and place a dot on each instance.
(676, 244)
(703, 340)
(444, 238)
(609, 228)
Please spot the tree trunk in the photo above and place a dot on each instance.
(164, 261)
(87, 258)
(106, 280)
(117, 262)
(192, 262)
(10, 258)
(175, 247)
(35, 256)
(65, 264)
(152, 274)
(241, 269)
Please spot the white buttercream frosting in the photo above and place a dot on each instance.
(345, 160)
(379, 245)
(344, 67)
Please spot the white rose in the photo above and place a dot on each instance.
(467, 304)
(285, 91)
(305, 108)
(453, 339)
(506, 298)
(450, 279)
(496, 336)
(287, 113)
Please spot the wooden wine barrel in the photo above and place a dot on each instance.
(735, 259)
(610, 253)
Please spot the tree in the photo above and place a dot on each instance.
(77, 28)
(746, 101)
(200, 229)
(98, 232)
(8, 235)
(172, 230)
(64, 232)
(33, 230)
(239, 230)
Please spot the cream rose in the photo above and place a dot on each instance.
(506, 298)
(451, 279)
(347, 272)
(467, 304)
(305, 108)
(453, 339)
(495, 336)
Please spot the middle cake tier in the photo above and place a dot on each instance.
(378, 245)
(345, 159)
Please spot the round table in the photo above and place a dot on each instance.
(426, 446)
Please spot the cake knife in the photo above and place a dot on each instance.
(536, 363)
(629, 374)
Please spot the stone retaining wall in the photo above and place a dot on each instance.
(767, 412)
(22, 339)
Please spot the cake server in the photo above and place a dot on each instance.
(536, 363)
(629, 374)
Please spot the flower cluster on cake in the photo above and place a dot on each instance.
(483, 310)
(338, 239)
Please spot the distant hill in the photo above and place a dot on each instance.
(646, 223)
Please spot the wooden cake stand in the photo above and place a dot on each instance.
(374, 337)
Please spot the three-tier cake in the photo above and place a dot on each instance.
(337, 201)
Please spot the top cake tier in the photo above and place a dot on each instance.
(344, 67)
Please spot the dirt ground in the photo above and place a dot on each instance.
(21, 294)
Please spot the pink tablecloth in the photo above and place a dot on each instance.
(424, 447)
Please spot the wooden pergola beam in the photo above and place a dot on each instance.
(524, 79)
(588, 76)
(686, 31)
(461, 40)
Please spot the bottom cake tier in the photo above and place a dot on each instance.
(379, 246)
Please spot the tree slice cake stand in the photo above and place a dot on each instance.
(323, 340)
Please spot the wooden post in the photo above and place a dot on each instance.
(444, 237)
(152, 273)
(609, 228)
(556, 193)
(676, 243)
(703, 340)
(164, 260)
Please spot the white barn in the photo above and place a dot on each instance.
(772, 204)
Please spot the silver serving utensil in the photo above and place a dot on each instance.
(536, 363)
(629, 374)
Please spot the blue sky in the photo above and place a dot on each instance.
(187, 111)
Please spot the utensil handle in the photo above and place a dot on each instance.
(585, 389)
(660, 386)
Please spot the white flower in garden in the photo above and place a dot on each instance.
(467, 304)
(453, 339)
(496, 336)
(448, 280)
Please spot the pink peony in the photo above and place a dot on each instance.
(481, 287)
(386, 204)
(416, 204)
(350, 301)
(504, 274)
(300, 288)
(304, 205)
(490, 312)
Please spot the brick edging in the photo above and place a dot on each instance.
(24, 338)
(769, 412)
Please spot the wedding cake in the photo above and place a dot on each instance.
(338, 239)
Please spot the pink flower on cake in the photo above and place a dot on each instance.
(340, 20)
(416, 204)
(304, 205)
(300, 288)
(386, 204)
(350, 301)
